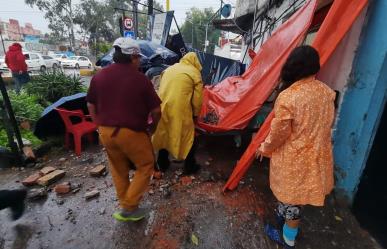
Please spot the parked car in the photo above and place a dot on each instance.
(51, 62)
(77, 62)
(35, 62)
(60, 57)
(3, 67)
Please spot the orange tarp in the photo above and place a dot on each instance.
(338, 21)
(232, 103)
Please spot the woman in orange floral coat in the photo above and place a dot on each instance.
(299, 143)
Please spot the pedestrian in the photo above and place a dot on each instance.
(181, 94)
(120, 100)
(13, 199)
(299, 143)
(16, 62)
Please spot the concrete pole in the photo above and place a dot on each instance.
(205, 42)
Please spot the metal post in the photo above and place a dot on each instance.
(12, 119)
(206, 41)
(167, 5)
(150, 7)
(192, 37)
(2, 41)
(135, 15)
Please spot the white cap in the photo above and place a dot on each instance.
(127, 45)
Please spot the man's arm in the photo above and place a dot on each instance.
(92, 111)
(6, 61)
(156, 116)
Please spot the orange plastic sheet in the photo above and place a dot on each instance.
(338, 21)
(232, 103)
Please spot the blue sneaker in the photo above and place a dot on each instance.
(276, 236)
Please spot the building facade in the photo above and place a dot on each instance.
(12, 31)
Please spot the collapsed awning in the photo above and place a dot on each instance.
(239, 25)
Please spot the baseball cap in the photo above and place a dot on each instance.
(127, 45)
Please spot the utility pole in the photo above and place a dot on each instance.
(150, 7)
(135, 15)
(167, 5)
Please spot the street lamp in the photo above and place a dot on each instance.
(225, 11)
(192, 36)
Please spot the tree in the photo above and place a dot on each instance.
(194, 29)
(60, 15)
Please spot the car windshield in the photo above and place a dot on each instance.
(57, 56)
(73, 58)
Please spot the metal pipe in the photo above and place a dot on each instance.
(135, 10)
(150, 7)
(2, 41)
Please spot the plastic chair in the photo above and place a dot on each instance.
(78, 130)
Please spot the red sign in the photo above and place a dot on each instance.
(128, 23)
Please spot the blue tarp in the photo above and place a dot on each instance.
(216, 68)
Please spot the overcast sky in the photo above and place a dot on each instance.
(17, 9)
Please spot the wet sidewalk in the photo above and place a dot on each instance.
(184, 212)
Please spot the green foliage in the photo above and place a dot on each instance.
(3, 139)
(25, 106)
(194, 29)
(24, 133)
(50, 87)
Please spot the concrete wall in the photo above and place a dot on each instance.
(363, 102)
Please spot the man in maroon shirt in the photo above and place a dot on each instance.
(120, 100)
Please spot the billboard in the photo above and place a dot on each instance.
(161, 25)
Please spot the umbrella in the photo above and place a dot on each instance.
(147, 50)
(50, 123)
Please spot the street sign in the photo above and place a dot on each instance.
(128, 23)
(129, 34)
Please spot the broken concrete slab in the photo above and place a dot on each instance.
(63, 188)
(31, 180)
(51, 178)
(98, 170)
(91, 194)
(37, 194)
(47, 170)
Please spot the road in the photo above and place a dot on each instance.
(180, 209)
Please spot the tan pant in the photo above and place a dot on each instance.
(125, 147)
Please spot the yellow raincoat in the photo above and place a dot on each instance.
(181, 94)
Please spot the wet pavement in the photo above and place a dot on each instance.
(181, 209)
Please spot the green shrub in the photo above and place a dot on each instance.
(25, 106)
(50, 87)
(24, 133)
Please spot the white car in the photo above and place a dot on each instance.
(60, 57)
(34, 61)
(3, 66)
(51, 62)
(77, 62)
